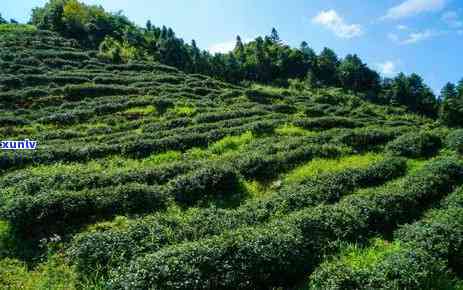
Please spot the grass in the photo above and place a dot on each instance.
(52, 274)
(256, 189)
(358, 257)
(319, 166)
(17, 28)
(291, 130)
(119, 222)
(166, 157)
(414, 165)
(231, 143)
(185, 111)
(110, 163)
(141, 111)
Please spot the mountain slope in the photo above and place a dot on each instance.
(161, 179)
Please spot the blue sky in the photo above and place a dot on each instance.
(423, 36)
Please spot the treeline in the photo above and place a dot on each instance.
(451, 98)
(265, 60)
(4, 21)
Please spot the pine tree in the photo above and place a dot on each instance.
(239, 51)
(274, 36)
(327, 63)
(304, 45)
(451, 111)
(2, 20)
(449, 91)
(460, 89)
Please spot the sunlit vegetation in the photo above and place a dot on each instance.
(155, 176)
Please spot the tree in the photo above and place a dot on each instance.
(411, 92)
(2, 20)
(239, 51)
(351, 72)
(304, 45)
(88, 24)
(460, 89)
(149, 26)
(451, 111)
(327, 63)
(449, 91)
(274, 36)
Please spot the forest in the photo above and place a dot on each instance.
(265, 60)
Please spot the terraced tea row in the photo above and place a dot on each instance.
(280, 253)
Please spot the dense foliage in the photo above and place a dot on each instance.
(265, 59)
(149, 177)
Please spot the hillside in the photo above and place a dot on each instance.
(146, 177)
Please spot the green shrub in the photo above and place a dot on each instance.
(90, 250)
(77, 92)
(417, 259)
(415, 145)
(368, 138)
(325, 123)
(277, 254)
(214, 117)
(206, 183)
(455, 141)
(261, 96)
(53, 212)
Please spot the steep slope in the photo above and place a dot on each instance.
(160, 179)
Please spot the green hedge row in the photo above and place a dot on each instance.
(415, 145)
(210, 182)
(138, 147)
(325, 123)
(54, 212)
(49, 211)
(30, 185)
(283, 251)
(78, 92)
(100, 249)
(420, 259)
(142, 148)
(365, 139)
(219, 116)
(264, 166)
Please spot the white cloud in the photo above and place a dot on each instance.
(418, 37)
(413, 37)
(402, 27)
(452, 19)
(394, 37)
(414, 7)
(332, 21)
(225, 47)
(388, 68)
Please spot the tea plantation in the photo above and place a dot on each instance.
(146, 177)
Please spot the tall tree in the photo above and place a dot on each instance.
(149, 26)
(451, 111)
(351, 73)
(327, 63)
(460, 89)
(2, 20)
(275, 36)
(449, 91)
